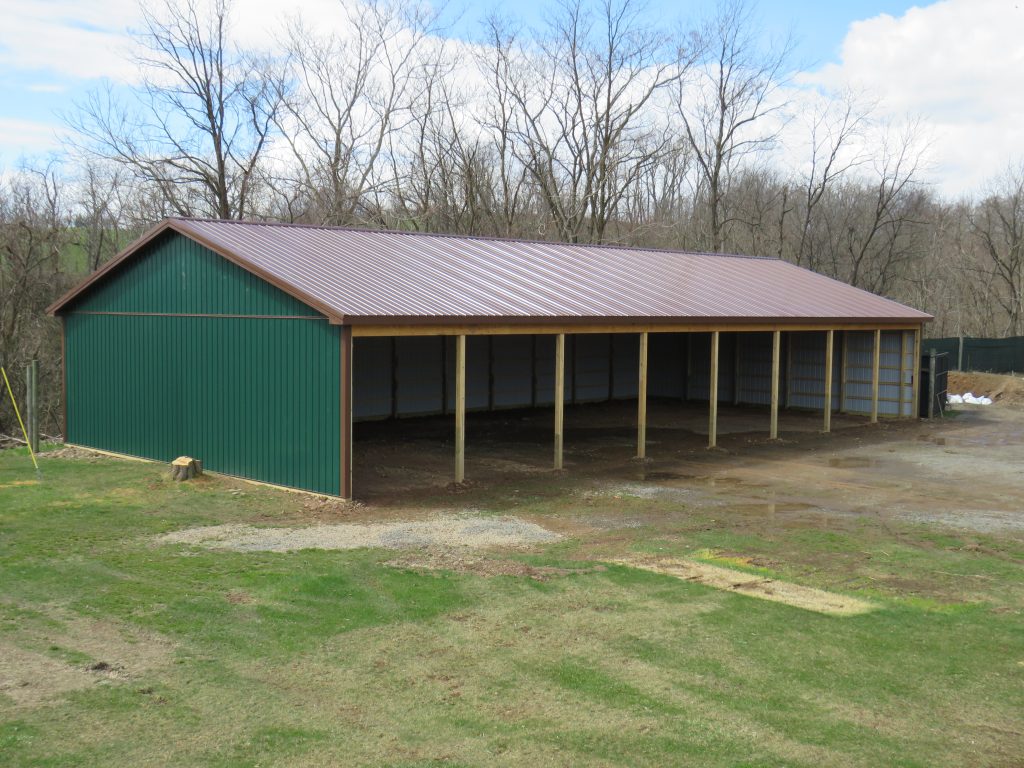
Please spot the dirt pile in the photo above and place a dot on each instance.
(1003, 389)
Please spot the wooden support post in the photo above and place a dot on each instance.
(828, 380)
(641, 400)
(900, 398)
(875, 364)
(394, 377)
(345, 440)
(559, 396)
(735, 369)
(713, 393)
(916, 406)
(776, 354)
(460, 408)
(842, 373)
(789, 370)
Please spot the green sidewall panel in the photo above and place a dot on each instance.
(256, 397)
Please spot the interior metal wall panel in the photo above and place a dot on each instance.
(419, 374)
(754, 385)
(371, 378)
(666, 365)
(907, 374)
(699, 379)
(807, 369)
(544, 365)
(859, 346)
(592, 359)
(512, 371)
(478, 372)
(626, 365)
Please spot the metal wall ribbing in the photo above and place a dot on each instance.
(255, 396)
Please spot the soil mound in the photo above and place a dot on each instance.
(1004, 389)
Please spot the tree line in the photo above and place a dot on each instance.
(604, 125)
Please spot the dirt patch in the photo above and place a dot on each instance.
(467, 532)
(32, 677)
(1008, 390)
(73, 452)
(754, 585)
(482, 566)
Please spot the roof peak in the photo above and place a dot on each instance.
(456, 236)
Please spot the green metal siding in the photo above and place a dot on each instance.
(178, 275)
(256, 397)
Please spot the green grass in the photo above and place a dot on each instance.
(335, 658)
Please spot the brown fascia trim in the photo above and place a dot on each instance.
(640, 321)
(180, 226)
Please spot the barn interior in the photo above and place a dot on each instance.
(405, 390)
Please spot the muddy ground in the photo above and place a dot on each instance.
(962, 471)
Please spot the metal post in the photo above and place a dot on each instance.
(960, 354)
(932, 354)
(32, 403)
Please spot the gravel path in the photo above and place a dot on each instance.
(468, 532)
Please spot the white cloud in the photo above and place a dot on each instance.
(70, 38)
(26, 138)
(956, 64)
(46, 88)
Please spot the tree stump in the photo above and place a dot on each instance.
(185, 468)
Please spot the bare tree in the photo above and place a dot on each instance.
(998, 223)
(356, 89)
(202, 119)
(580, 97)
(33, 237)
(833, 128)
(734, 110)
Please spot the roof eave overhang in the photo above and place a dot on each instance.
(645, 321)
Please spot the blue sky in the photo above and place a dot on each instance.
(949, 63)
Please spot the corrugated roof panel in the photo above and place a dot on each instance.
(362, 275)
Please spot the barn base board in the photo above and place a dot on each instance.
(129, 457)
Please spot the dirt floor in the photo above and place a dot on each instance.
(963, 470)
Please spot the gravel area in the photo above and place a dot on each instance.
(468, 532)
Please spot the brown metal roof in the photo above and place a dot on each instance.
(361, 276)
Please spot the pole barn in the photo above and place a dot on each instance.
(255, 346)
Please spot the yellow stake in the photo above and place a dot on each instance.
(17, 413)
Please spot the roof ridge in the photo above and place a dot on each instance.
(484, 238)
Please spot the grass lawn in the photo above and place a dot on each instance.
(141, 653)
